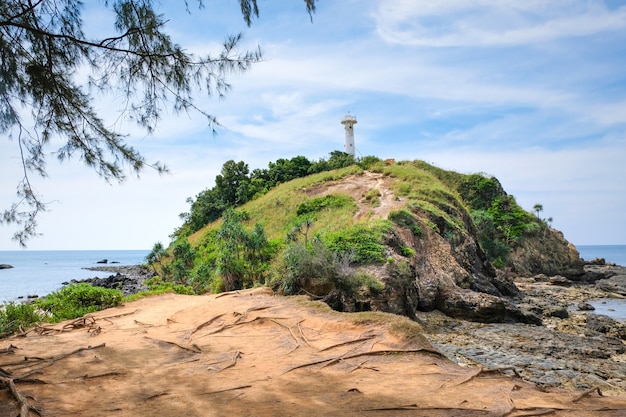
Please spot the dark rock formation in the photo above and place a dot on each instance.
(128, 279)
(6, 266)
(546, 253)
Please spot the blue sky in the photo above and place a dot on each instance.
(532, 92)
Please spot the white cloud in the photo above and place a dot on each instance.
(485, 22)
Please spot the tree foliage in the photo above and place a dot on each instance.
(235, 185)
(46, 100)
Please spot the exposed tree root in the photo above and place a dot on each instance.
(586, 393)
(483, 371)
(224, 294)
(290, 332)
(227, 389)
(362, 339)
(303, 336)
(233, 361)
(357, 355)
(157, 395)
(200, 326)
(531, 411)
(8, 351)
(193, 349)
(22, 402)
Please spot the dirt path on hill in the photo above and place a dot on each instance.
(358, 187)
(251, 353)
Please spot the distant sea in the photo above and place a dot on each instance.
(611, 253)
(42, 272)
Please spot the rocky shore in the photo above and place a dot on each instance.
(573, 348)
(129, 279)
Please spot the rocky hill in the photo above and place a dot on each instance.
(393, 237)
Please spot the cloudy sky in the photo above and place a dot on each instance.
(532, 92)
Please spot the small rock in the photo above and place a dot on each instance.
(6, 266)
(582, 306)
(103, 261)
(559, 280)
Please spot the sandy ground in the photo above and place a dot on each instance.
(251, 353)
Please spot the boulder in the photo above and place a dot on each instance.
(6, 266)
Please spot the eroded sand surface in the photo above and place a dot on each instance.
(251, 353)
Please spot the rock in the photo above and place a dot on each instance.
(558, 311)
(6, 266)
(616, 284)
(548, 253)
(598, 323)
(582, 306)
(596, 261)
(559, 280)
(128, 279)
(103, 261)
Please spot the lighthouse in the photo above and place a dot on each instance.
(349, 121)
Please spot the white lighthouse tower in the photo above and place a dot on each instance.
(349, 121)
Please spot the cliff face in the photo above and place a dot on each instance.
(547, 253)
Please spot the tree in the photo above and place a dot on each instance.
(44, 48)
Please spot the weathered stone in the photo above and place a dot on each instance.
(582, 306)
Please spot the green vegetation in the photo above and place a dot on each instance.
(76, 300)
(364, 240)
(17, 316)
(326, 202)
(235, 185)
(407, 220)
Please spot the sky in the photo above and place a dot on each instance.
(532, 92)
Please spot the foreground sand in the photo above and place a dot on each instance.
(251, 353)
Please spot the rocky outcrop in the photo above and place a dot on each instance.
(128, 279)
(6, 266)
(546, 252)
(455, 279)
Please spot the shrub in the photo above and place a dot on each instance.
(370, 282)
(373, 197)
(326, 202)
(16, 316)
(315, 264)
(405, 219)
(364, 240)
(407, 252)
(76, 300)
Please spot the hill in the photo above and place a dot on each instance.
(393, 237)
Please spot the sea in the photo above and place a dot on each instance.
(37, 273)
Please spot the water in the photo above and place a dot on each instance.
(612, 307)
(42, 272)
(611, 253)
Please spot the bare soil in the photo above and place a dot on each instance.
(251, 353)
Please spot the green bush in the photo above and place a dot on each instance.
(370, 282)
(156, 285)
(16, 316)
(303, 265)
(406, 219)
(364, 240)
(76, 300)
(329, 201)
